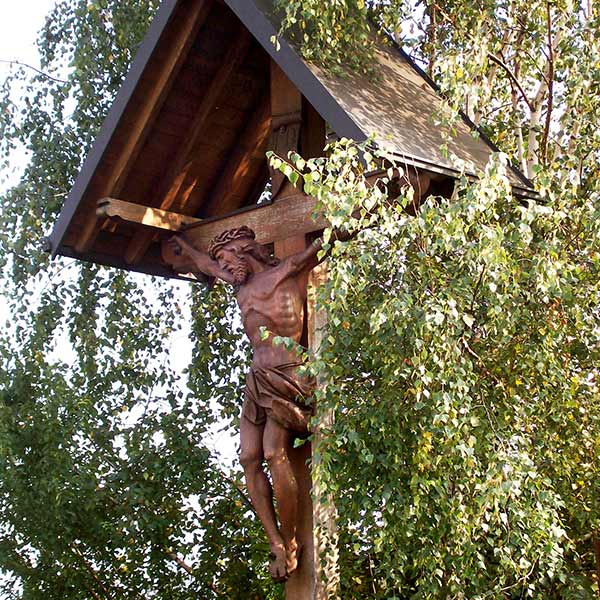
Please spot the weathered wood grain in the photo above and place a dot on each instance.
(143, 215)
(177, 171)
(288, 217)
(162, 81)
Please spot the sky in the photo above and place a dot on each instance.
(20, 22)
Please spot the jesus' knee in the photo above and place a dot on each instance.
(251, 462)
(275, 456)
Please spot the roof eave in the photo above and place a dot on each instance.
(110, 124)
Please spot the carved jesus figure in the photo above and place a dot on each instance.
(271, 294)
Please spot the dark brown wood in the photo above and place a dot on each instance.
(285, 218)
(146, 113)
(222, 198)
(301, 584)
(272, 294)
(179, 166)
(313, 134)
(158, 102)
(286, 115)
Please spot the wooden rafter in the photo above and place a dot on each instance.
(182, 161)
(146, 115)
(254, 137)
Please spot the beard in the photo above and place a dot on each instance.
(240, 272)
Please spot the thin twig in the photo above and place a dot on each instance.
(236, 487)
(481, 363)
(181, 563)
(22, 64)
(173, 556)
(511, 76)
(550, 83)
(91, 571)
(597, 553)
(494, 59)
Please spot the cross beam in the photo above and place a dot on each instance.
(288, 217)
(156, 218)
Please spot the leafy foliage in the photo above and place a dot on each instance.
(462, 373)
(109, 487)
(461, 353)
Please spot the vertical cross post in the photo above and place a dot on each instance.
(325, 535)
(297, 127)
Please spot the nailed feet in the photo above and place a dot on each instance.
(284, 560)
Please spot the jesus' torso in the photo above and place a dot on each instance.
(274, 300)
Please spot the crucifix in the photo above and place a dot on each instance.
(173, 187)
(271, 289)
(271, 294)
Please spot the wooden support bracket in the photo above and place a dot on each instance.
(143, 215)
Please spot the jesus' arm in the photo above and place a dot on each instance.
(309, 258)
(202, 260)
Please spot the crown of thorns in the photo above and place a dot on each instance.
(231, 235)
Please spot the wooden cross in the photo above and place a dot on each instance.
(286, 222)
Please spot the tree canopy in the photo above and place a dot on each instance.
(460, 358)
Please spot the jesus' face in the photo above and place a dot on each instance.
(232, 258)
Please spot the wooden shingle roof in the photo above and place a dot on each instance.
(189, 129)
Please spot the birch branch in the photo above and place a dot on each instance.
(22, 64)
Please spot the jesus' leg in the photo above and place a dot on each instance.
(276, 443)
(261, 493)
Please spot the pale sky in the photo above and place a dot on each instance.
(20, 22)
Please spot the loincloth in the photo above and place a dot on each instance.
(279, 393)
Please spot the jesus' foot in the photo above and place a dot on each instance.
(292, 553)
(284, 560)
(277, 566)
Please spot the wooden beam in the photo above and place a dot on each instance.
(325, 532)
(286, 115)
(285, 218)
(286, 98)
(313, 133)
(181, 162)
(162, 82)
(222, 196)
(143, 215)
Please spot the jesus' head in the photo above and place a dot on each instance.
(231, 250)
